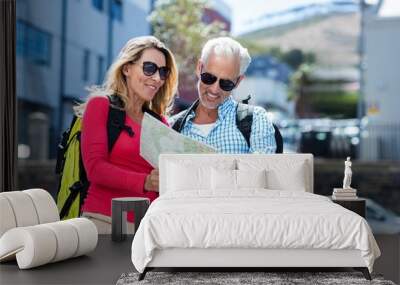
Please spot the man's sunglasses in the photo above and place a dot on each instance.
(150, 68)
(225, 84)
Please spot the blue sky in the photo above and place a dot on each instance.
(245, 10)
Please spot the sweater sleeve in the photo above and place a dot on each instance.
(95, 154)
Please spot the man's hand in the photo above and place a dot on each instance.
(152, 181)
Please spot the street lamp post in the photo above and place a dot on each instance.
(361, 96)
(361, 93)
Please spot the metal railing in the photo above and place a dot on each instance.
(380, 141)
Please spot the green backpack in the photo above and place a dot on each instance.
(73, 182)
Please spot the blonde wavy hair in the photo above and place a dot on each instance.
(115, 82)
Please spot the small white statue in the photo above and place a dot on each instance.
(347, 174)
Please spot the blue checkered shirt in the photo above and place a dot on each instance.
(226, 137)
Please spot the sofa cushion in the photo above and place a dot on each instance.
(23, 207)
(45, 206)
(40, 244)
(26, 208)
(6, 215)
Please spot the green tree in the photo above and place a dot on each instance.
(298, 81)
(178, 23)
(293, 57)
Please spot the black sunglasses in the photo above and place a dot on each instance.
(150, 68)
(224, 84)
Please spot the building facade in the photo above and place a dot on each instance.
(218, 11)
(63, 47)
(381, 136)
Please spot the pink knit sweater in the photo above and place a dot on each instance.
(122, 172)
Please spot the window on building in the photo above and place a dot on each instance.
(116, 10)
(98, 4)
(21, 34)
(100, 70)
(86, 65)
(33, 43)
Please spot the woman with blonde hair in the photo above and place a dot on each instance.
(142, 79)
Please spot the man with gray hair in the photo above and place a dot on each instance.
(215, 118)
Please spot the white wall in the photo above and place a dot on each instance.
(86, 29)
(382, 89)
(382, 60)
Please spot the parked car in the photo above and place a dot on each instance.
(329, 138)
(290, 131)
(381, 220)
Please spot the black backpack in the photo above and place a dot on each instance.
(73, 182)
(244, 120)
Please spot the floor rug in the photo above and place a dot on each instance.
(242, 278)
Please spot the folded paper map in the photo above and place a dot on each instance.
(157, 138)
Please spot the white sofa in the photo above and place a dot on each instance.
(31, 232)
(181, 227)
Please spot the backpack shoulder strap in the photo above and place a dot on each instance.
(63, 145)
(278, 140)
(244, 120)
(180, 121)
(152, 113)
(115, 120)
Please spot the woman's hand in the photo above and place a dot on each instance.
(151, 182)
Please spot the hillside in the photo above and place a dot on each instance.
(334, 38)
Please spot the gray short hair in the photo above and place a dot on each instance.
(228, 47)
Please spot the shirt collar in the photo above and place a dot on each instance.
(223, 109)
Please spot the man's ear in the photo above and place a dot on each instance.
(241, 77)
(198, 68)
